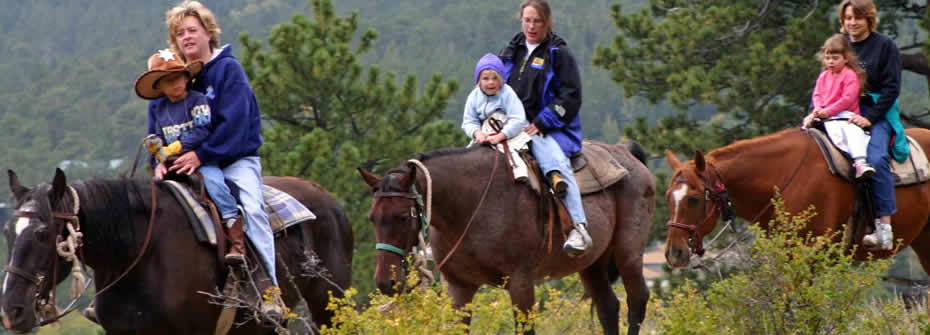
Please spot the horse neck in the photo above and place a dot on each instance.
(108, 213)
(751, 169)
(458, 181)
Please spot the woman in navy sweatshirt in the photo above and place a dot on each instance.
(880, 58)
(236, 137)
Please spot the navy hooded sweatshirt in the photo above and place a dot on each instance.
(236, 120)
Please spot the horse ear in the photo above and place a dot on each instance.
(370, 178)
(672, 160)
(699, 160)
(18, 189)
(59, 184)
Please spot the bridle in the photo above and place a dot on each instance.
(716, 192)
(417, 204)
(44, 302)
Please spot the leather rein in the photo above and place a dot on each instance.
(73, 222)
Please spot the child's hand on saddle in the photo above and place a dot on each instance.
(480, 136)
(860, 121)
(497, 138)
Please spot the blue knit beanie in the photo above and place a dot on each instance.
(489, 61)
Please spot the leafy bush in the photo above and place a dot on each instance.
(794, 282)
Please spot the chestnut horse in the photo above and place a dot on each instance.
(748, 172)
(159, 295)
(505, 244)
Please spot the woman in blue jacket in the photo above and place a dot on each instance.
(542, 70)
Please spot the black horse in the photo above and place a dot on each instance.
(160, 294)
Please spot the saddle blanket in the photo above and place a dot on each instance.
(916, 169)
(282, 209)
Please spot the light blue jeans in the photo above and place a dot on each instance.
(246, 174)
(551, 158)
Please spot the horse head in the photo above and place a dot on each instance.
(396, 222)
(38, 223)
(696, 198)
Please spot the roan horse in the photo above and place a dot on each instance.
(750, 170)
(160, 294)
(507, 246)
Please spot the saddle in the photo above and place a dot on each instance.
(594, 169)
(916, 169)
(282, 209)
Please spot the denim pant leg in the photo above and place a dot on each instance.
(550, 157)
(879, 158)
(215, 182)
(246, 174)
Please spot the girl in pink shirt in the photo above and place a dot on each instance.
(836, 99)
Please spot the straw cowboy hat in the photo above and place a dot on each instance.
(161, 64)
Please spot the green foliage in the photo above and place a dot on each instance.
(744, 60)
(331, 115)
(560, 309)
(794, 282)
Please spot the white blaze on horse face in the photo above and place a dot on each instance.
(22, 222)
(677, 196)
(6, 278)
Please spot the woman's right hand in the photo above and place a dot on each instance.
(160, 171)
(860, 121)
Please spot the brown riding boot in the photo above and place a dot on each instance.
(236, 254)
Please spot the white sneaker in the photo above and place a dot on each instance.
(881, 238)
(578, 241)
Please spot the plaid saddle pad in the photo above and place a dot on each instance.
(282, 209)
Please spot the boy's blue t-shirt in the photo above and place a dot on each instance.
(187, 120)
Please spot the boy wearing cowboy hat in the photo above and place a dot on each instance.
(181, 117)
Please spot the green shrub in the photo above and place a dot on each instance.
(794, 283)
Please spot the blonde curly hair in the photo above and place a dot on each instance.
(176, 15)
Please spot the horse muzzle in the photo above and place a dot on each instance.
(16, 320)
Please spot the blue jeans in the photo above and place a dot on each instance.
(215, 181)
(551, 158)
(878, 157)
(246, 174)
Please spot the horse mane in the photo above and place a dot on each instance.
(109, 208)
(450, 152)
(741, 146)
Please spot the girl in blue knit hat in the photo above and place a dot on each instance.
(491, 95)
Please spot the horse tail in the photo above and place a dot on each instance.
(635, 149)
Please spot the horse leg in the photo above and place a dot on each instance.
(461, 295)
(522, 295)
(597, 284)
(637, 294)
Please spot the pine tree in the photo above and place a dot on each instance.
(329, 115)
(752, 60)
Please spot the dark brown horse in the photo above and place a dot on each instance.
(159, 295)
(506, 244)
(750, 170)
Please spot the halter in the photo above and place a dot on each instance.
(715, 191)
